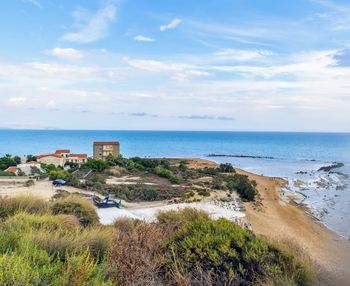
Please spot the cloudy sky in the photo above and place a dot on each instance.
(175, 64)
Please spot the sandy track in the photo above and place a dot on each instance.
(43, 189)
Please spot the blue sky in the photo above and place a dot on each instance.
(175, 65)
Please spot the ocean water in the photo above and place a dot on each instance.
(294, 156)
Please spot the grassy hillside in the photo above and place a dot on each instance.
(62, 243)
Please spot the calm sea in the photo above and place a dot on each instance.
(295, 156)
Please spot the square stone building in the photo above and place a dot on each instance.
(103, 149)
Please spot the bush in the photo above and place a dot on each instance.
(59, 174)
(225, 254)
(7, 174)
(147, 163)
(203, 192)
(49, 167)
(172, 221)
(35, 267)
(165, 173)
(226, 168)
(77, 206)
(9, 161)
(245, 188)
(183, 166)
(134, 258)
(95, 165)
(61, 242)
(210, 171)
(30, 204)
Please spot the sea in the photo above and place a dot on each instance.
(297, 157)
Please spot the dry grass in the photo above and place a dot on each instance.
(24, 203)
(77, 206)
(134, 258)
(306, 273)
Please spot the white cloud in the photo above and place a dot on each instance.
(141, 38)
(33, 2)
(178, 71)
(17, 101)
(67, 54)
(95, 27)
(243, 55)
(172, 25)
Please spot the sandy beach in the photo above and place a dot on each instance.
(279, 220)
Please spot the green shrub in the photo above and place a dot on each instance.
(144, 193)
(24, 222)
(226, 168)
(77, 206)
(210, 171)
(229, 255)
(173, 220)
(203, 192)
(7, 174)
(49, 167)
(95, 165)
(35, 267)
(165, 173)
(9, 161)
(59, 174)
(245, 188)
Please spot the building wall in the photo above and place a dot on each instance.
(75, 160)
(101, 152)
(52, 160)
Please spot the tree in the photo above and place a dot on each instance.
(31, 158)
(226, 168)
(9, 161)
(95, 165)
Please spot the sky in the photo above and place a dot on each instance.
(240, 65)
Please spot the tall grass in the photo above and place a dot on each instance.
(47, 249)
(24, 203)
(77, 206)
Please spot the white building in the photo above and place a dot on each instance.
(61, 157)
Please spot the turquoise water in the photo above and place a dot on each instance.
(280, 154)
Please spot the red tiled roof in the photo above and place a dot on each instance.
(11, 169)
(107, 143)
(48, 155)
(80, 156)
(62, 151)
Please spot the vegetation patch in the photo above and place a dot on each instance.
(46, 243)
(226, 254)
(77, 206)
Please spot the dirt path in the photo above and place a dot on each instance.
(43, 188)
